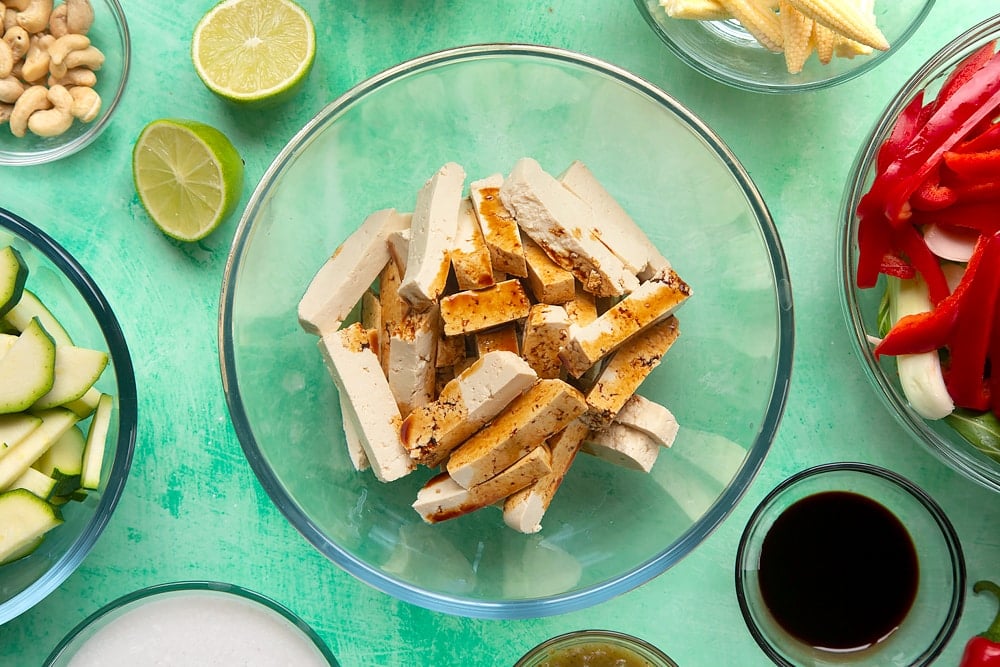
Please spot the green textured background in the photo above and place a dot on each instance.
(193, 509)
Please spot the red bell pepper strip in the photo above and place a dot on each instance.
(984, 217)
(909, 122)
(964, 71)
(983, 650)
(893, 265)
(924, 262)
(986, 140)
(970, 340)
(981, 191)
(932, 194)
(874, 244)
(931, 330)
(949, 124)
(982, 165)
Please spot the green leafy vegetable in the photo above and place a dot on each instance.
(884, 315)
(982, 429)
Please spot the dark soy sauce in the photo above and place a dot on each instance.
(838, 571)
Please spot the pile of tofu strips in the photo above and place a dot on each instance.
(502, 330)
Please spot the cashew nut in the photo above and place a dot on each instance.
(19, 5)
(10, 89)
(57, 21)
(36, 61)
(35, 16)
(53, 122)
(6, 59)
(5, 111)
(63, 45)
(9, 18)
(90, 57)
(79, 16)
(86, 103)
(78, 76)
(18, 40)
(35, 98)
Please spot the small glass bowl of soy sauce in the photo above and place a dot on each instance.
(850, 564)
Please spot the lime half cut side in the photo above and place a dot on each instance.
(253, 50)
(188, 175)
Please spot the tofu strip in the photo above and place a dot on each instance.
(562, 224)
(623, 446)
(500, 338)
(523, 510)
(442, 498)
(355, 449)
(545, 332)
(412, 353)
(651, 418)
(356, 371)
(343, 279)
(475, 310)
(549, 282)
(470, 258)
(435, 220)
(499, 228)
(616, 228)
(654, 301)
(465, 404)
(626, 369)
(530, 418)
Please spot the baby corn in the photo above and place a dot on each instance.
(824, 38)
(844, 17)
(759, 20)
(796, 31)
(697, 10)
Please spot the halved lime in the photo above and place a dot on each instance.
(188, 175)
(253, 50)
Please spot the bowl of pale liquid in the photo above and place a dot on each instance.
(192, 623)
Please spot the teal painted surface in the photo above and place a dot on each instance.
(193, 509)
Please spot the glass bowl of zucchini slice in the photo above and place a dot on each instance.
(67, 414)
(920, 218)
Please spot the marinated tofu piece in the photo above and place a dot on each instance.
(476, 310)
(371, 312)
(624, 446)
(393, 310)
(412, 352)
(654, 301)
(530, 418)
(614, 225)
(465, 404)
(562, 224)
(499, 228)
(356, 371)
(582, 310)
(549, 282)
(355, 448)
(651, 418)
(340, 282)
(399, 248)
(501, 338)
(432, 230)
(545, 332)
(450, 350)
(442, 498)
(523, 510)
(470, 258)
(626, 369)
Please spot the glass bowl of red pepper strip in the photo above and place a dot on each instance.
(920, 254)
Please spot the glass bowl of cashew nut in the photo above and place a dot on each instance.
(783, 46)
(63, 68)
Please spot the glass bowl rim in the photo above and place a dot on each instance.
(916, 426)
(193, 585)
(13, 159)
(933, 509)
(780, 89)
(127, 413)
(596, 634)
(601, 591)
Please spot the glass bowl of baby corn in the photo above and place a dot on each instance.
(783, 46)
(63, 70)
(505, 331)
(67, 414)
